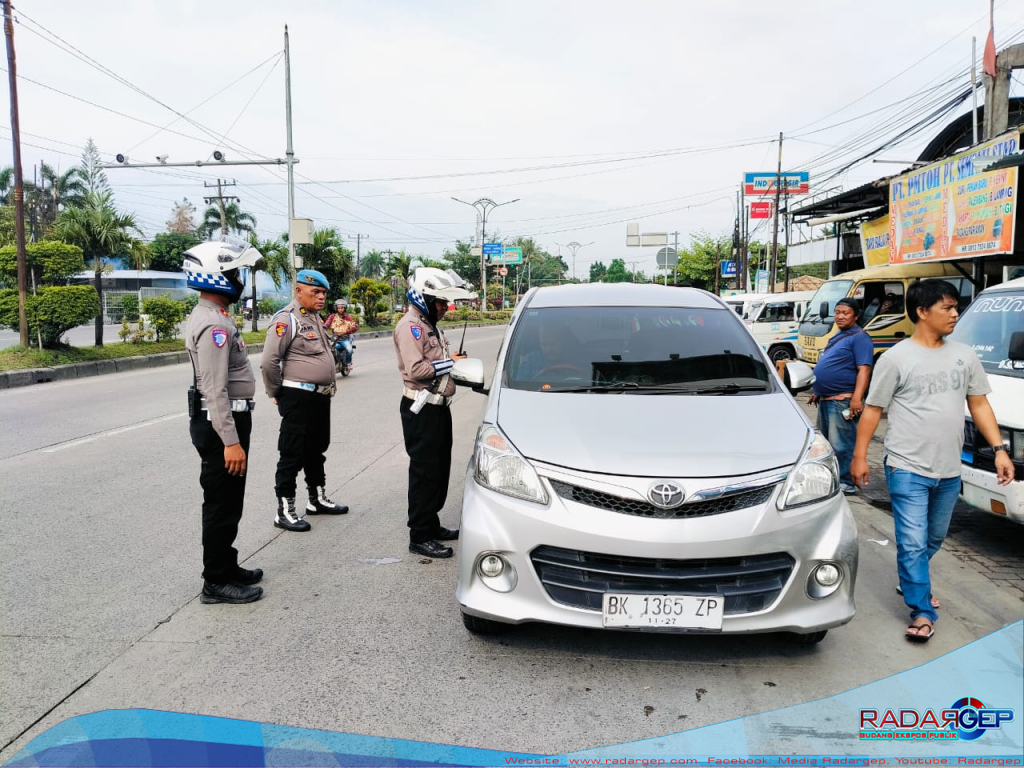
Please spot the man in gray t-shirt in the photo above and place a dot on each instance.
(925, 381)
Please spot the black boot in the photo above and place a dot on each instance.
(319, 504)
(430, 549)
(229, 593)
(246, 576)
(286, 517)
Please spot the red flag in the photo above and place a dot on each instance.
(988, 61)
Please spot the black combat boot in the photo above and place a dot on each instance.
(319, 504)
(286, 517)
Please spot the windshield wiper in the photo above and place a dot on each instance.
(617, 386)
(728, 389)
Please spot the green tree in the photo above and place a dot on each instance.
(597, 271)
(50, 262)
(698, 262)
(369, 293)
(101, 232)
(328, 254)
(165, 315)
(372, 265)
(617, 272)
(167, 249)
(235, 220)
(55, 192)
(182, 221)
(7, 228)
(7, 185)
(400, 265)
(274, 264)
(463, 262)
(91, 172)
(52, 310)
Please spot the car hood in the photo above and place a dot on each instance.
(654, 435)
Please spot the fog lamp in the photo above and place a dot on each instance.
(492, 566)
(827, 575)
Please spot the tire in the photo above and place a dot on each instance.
(811, 638)
(781, 352)
(479, 626)
(344, 370)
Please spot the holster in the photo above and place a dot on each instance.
(194, 402)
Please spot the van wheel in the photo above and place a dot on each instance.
(479, 626)
(812, 638)
(780, 352)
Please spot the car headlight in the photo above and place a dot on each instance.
(497, 465)
(1018, 445)
(816, 477)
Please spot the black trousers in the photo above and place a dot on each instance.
(223, 496)
(428, 441)
(304, 439)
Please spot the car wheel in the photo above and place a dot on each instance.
(780, 352)
(479, 626)
(811, 638)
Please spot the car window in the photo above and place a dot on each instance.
(778, 312)
(570, 347)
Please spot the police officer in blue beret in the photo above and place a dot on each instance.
(298, 374)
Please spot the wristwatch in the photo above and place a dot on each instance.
(997, 448)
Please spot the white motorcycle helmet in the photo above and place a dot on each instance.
(214, 266)
(429, 283)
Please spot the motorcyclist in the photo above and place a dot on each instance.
(341, 326)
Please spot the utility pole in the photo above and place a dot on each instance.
(289, 155)
(974, 91)
(775, 234)
(742, 277)
(574, 247)
(220, 198)
(675, 269)
(483, 206)
(359, 239)
(19, 182)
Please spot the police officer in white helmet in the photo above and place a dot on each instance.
(220, 406)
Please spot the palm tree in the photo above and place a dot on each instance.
(274, 263)
(400, 265)
(328, 254)
(65, 189)
(6, 185)
(235, 220)
(372, 265)
(100, 231)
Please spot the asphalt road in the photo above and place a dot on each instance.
(100, 564)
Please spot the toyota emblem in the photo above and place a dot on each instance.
(666, 495)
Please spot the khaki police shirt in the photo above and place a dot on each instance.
(423, 352)
(298, 349)
(223, 373)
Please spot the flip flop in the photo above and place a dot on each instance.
(935, 600)
(918, 637)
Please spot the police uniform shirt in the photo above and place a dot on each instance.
(298, 349)
(423, 352)
(222, 368)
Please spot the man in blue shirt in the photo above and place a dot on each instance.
(840, 383)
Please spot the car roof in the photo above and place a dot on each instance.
(1009, 285)
(621, 295)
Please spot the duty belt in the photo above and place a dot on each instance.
(320, 389)
(431, 399)
(237, 406)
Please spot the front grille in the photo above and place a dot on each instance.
(579, 579)
(640, 508)
(984, 456)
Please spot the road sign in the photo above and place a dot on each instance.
(511, 255)
(667, 257)
(493, 249)
(653, 238)
(503, 271)
(730, 268)
(763, 183)
(761, 284)
(476, 250)
(761, 210)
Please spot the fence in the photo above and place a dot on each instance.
(112, 312)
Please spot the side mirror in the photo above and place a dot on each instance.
(823, 310)
(469, 373)
(798, 377)
(1016, 352)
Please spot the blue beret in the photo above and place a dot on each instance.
(312, 277)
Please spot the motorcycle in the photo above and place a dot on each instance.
(342, 357)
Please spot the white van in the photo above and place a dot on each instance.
(994, 326)
(774, 321)
(742, 302)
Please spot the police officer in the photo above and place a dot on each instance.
(425, 360)
(220, 405)
(298, 374)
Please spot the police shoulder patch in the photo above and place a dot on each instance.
(220, 337)
(417, 332)
(281, 329)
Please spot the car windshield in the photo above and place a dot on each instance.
(987, 326)
(832, 291)
(634, 350)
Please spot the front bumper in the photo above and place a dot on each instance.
(495, 523)
(980, 489)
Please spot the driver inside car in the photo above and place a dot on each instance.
(555, 343)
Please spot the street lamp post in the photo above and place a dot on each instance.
(484, 206)
(574, 246)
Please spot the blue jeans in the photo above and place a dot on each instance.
(921, 508)
(840, 433)
(346, 345)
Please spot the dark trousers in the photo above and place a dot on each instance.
(223, 496)
(428, 441)
(304, 439)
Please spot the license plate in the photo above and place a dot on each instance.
(682, 611)
(967, 457)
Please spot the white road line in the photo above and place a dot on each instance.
(111, 432)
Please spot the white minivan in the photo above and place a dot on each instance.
(994, 326)
(742, 303)
(774, 322)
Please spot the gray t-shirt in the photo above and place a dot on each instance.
(925, 391)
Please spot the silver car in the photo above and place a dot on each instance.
(641, 466)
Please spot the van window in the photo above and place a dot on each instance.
(963, 287)
(777, 312)
(569, 347)
(987, 326)
(879, 298)
(830, 292)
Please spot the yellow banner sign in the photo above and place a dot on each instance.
(874, 242)
(954, 210)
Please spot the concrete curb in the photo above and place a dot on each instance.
(29, 376)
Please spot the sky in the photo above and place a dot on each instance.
(590, 114)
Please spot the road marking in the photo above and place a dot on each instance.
(111, 432)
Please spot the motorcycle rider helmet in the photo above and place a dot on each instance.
(341, 305)
(214, 266)
(429, 283)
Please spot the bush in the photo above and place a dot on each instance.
(166, 315)
(52, 311)
(190, 302)
(130, 307)
(269, 307)
(52, 261)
